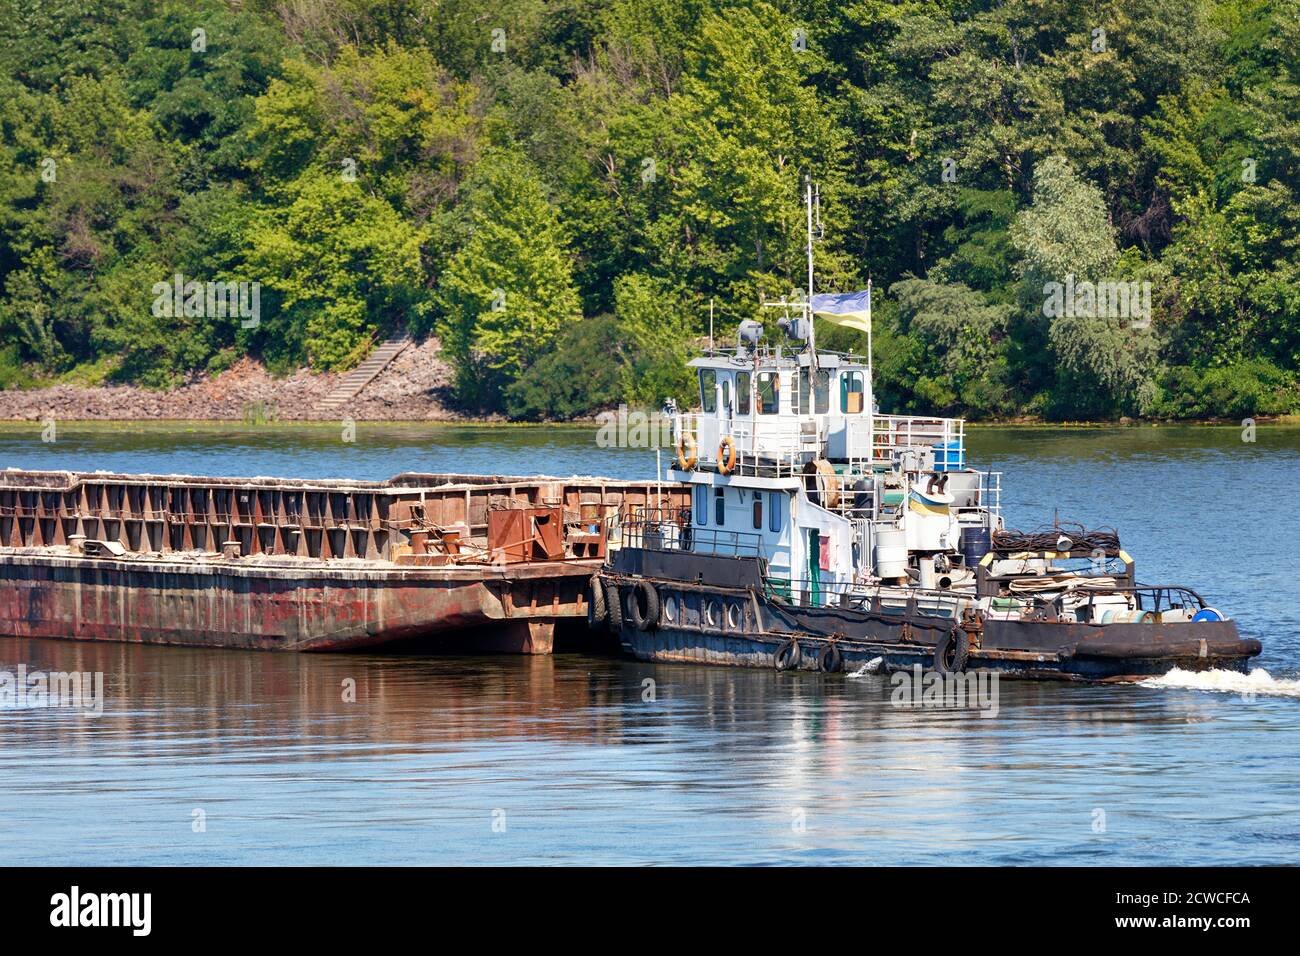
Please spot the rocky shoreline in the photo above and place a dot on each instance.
(414, 387)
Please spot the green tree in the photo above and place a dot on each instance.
(1065, 240)
(344, 265)
(509, 288)
(655, 321)
(960, 366)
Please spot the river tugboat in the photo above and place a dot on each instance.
(823, 535)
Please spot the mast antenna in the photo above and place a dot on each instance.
(808, 313)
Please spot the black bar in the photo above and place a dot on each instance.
(485, 907)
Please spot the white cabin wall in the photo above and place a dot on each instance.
(808, 517)
(738, 503)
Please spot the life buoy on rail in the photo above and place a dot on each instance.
(787, 656)
(686, 453)
(952, 652)
(643, 606)
(727, 456)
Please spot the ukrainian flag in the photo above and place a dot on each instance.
(849, 309)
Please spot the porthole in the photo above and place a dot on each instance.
(733, 617)
(670, 609)
(713, 613)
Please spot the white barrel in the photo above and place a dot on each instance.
(891, 553)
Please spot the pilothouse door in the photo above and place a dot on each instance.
(813, 593)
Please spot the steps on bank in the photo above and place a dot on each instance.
(350, 386)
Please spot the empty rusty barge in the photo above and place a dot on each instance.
(474, 562)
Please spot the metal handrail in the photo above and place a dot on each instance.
(786, 434)
(670, 529)
(1157, 591)
(916, 431)
(804, 592)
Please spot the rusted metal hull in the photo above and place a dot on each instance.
(283, 606)
(737, 625)
(460, 562)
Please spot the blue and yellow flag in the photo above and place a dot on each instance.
(850, 309)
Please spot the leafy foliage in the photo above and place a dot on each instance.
(396, 165)
(509, 288)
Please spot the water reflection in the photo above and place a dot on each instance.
(717, 765)
(584, 762)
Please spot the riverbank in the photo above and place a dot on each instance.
(414, 387)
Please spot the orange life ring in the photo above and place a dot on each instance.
(727, 456)
(686, 453)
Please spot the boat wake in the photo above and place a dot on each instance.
(1258, 681)
(870, 667)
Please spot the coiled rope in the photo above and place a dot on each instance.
(1081, 539)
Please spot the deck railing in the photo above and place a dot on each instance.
(772, 446)
(657, 529)
(1161, 597)
(909, 602)
(893, 434)
(780, 445)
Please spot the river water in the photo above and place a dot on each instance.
(229, 757)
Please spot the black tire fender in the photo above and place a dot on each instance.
(596, 608)
(643, 592)
(612, 607)
(787, 656)
(952, 652)
(830, 660)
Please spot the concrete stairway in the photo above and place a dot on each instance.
(354, 381)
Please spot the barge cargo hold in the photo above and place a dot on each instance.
(472, 562)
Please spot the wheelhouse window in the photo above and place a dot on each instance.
(726, 394)
(719, 506)
(769, 389)
(742, 393)
(853, 393)
(819, 402)
(775, 504)
(822, 392)
(758, 511)
(701, 505)
(708, 389)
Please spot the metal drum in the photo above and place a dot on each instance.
(976, 540)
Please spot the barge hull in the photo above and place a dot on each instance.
(670, 645)
(461, 562)
(284, 607)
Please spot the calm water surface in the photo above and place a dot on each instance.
(564, 760)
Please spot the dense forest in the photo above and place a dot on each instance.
(558, 189)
